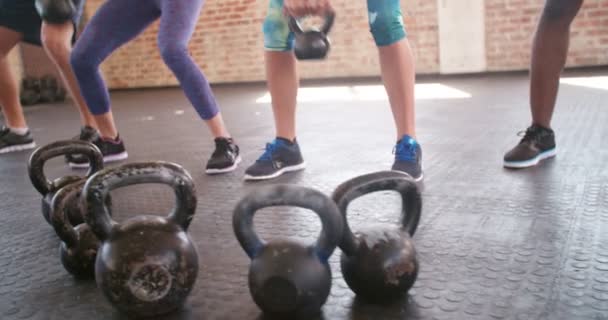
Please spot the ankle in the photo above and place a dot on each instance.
(19, 130)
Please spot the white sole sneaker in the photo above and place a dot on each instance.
(283, 170)
(106, 159)
(532, 162)
(19, 147)
(225, 170)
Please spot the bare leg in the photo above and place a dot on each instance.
(282, 78)
(9, 87)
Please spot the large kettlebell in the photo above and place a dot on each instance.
(379, 263)
(48, 188)
(288, 279)
(79, 245)
(56, 11)
(312, 44)
(146, 265)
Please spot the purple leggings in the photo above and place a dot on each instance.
(119, 21)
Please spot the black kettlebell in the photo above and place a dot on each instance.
(146, 265)
(312, 44)
(30, 91)
(379, 263)
(288, 279)
(56, 11)
(49, 88)
(48, 188)
(79, 245)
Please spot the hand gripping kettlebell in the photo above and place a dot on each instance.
(147, 265)
(288, 279)
(48, 188)
(312, 44)
(56, 11)
(379, 262)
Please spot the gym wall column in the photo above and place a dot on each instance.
(461, 36)
(14, 61)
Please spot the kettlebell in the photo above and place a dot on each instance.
(49, 88)
(48, 188)
(56, 11)
(78, 249)
(30, 91)
(288, 279)
(312, 44)
(379, 263)
(147, 265)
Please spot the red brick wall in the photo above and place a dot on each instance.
(228, 45)
(510, 25)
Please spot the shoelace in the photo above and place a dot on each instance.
(270, 149)
(405, 151)
(529, 135)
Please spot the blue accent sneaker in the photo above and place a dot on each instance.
(408, 157)
(280, 156)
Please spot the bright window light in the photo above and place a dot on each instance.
(599, 82)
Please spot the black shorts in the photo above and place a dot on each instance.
(21, 16)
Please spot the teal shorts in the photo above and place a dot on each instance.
(385, 22)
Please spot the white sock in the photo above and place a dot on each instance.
(20, 131)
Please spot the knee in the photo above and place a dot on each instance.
(57, 47)
(173, 54)
(79, 61)
(386, 23)
(561, 11)
(277, 36)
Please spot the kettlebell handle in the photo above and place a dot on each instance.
(98, 187)
(59, 219)
(328, 23)
(41, 155)
(373, 182)
(287, 195)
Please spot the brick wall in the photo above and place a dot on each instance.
(510, 25)
(228, 45)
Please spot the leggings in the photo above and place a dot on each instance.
(119, 21)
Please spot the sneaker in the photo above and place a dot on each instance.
(11, 142)
(537, 144)
(408, 157)
(281, 156)
(88, 134)
(112, 150)
(225, 158)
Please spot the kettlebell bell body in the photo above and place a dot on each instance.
(79, 245)
(147, 265)
(312, 44)
(48, 188)
(55, 11)
(379, 262)
(288, 279)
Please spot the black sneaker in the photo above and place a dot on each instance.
(280, 156)
(12, 142)
(225, 158)
(87, 134)
(537, 144)
(112, 150)
(408, 157)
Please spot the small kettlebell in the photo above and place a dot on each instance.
(48, 188)
(288, 279)
(56, 11)
(147, 265)
(79, 245)
(312, 44)
(379, 263)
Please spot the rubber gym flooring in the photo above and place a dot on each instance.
(492, 243)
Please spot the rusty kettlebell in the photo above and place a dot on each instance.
(288, 279)
(79, 245)
(147, 265)
(379, 263)
(48, 188)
